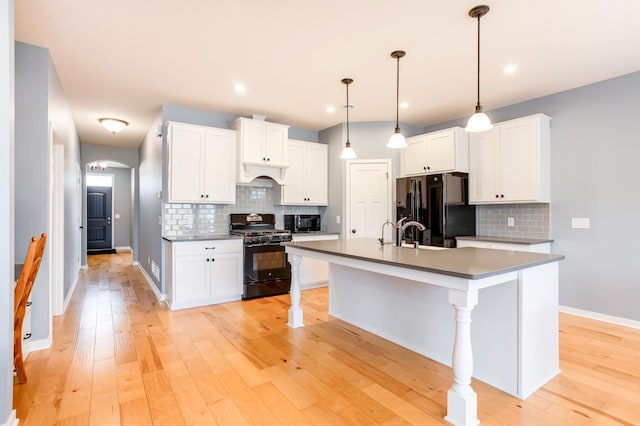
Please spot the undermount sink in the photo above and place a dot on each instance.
(424, 247)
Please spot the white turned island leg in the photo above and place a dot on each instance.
(462, 401)
(295, 312)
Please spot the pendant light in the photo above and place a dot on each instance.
(478, 122)
(397, 140)
(347, 153)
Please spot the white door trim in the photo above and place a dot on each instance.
(57, 231)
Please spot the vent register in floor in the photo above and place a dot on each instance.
(193, 219)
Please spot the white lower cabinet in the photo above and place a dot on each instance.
(204, 272)
(313, 273)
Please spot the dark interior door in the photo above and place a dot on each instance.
(99, 217)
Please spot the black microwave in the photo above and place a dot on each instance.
(302, 222)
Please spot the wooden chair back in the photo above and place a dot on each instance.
(22, 292)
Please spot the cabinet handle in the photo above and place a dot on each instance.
(424, 168)
(29, 303)
(353, 231)
(206, 196)
(209, 248)
(27, 336)
(428, 167)
(497, 196)
(264, 158)
(501, 195)
(213, 260)
(268, 159)
(207, 260)
(201, 195)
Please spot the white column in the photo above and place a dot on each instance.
(295, 312)
(462, 401)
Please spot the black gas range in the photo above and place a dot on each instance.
(266, 269)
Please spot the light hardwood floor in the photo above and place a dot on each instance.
(119, 357)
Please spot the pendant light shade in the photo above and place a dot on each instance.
(397, 140)
(478, 122)
(347, 153)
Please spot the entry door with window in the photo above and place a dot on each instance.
(99, 217)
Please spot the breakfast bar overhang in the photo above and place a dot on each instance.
(405, 295)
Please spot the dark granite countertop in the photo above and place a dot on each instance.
(468, 262)
(510, 240)
(200, 237)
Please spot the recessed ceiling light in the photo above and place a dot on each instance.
(510, 69)
(404, 105)
(239, 88)
(331, 108)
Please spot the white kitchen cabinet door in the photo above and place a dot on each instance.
(252, 138)
(307, 176)
(191, 282)
(443, 151)
(226, 274)
(201, 164)
(510, 163)
(294, 190)
(414, 156)
(275, 146)
(185, 144)
(220, 166)
(316, 171)
(484, 171)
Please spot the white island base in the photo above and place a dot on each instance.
(512, 344)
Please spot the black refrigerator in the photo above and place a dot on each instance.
(441, 203)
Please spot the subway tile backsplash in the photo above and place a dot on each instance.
(530, 220)
(193, 219)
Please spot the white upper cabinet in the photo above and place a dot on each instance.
(262, 149)
(307, 177)
(438, 152)
(201, 164)
(510, 163)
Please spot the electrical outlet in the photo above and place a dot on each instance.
(580, 222)
(338, 220)
(148, 261)
(510, 221)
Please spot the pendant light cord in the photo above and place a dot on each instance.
(398, 92)
(478, 104)
(348, 113)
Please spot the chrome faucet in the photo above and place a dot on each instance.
(401, 229)
(381, 239)
(400, 233)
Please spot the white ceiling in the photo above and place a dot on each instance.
(126, 58)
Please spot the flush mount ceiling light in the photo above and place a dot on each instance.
(113, 125)
(478, 122)
(397, 140)
(347, 153)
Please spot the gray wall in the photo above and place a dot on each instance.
(150, 207)
(369, 141)
(6, 207)
(594, 159)
(32, 171)
(40, 100)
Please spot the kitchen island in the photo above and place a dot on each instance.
(405, 295)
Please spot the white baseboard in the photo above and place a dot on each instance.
(123, 249)
(136, 263)
(84, 267)
(12, 420)
(68, 298)
(161, 297)
(313, 285)
(601, 317)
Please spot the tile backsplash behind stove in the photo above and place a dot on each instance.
(193, 219)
